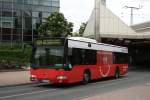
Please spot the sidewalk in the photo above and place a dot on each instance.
(141, 92)
(14, 78)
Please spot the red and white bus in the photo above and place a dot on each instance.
(76, 59)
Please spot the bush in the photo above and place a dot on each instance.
(11, 58)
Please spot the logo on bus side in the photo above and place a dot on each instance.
(104, 74)
(105, 61)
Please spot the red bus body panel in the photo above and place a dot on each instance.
(76, 74)
(103, 68)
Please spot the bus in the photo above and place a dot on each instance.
(76, 59)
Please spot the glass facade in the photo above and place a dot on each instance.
(19, 19)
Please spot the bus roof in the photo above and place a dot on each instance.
(83, 39)
(80, 42)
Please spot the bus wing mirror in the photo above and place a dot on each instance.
(68, 67)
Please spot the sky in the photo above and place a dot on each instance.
(78, 11)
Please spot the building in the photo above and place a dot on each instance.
(106, 27)
(142, 27)
(103, 23)
(19, 19)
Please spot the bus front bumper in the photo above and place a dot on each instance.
(58, 80)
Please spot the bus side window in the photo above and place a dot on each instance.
(81, 56)
(120, 58)
(76, 58)
(114, 58)
(90, 57)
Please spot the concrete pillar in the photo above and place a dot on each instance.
(97, 20)
(103, 2)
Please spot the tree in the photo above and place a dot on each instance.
(82, 28)
(70, 28)
(76, 34)
(56, 26)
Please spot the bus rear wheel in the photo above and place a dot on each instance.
(117, 73)
(86, 77)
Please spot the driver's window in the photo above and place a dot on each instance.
(69, 56)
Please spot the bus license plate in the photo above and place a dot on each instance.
(45, 81)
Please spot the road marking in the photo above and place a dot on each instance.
(17, 90)
(36, 92)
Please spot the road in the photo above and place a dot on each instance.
(73, 92)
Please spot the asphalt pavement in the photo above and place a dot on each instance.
(76, 91)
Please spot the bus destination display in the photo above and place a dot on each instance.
(49, 42)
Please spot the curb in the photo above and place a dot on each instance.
(3, 71)
(14, 85)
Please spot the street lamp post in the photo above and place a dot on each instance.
(132, 9)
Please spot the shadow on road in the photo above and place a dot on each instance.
(75, 85)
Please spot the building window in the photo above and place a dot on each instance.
(24, 17)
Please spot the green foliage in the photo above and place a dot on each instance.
(56, 26)
(8, 46)
(82, 28)
(76, 34)
(69, 28)
(14, 57)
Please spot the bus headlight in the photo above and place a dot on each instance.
(61, 77)
(33, 76)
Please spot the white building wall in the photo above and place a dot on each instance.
(109, 24)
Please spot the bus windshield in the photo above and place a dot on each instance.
(48, 57)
